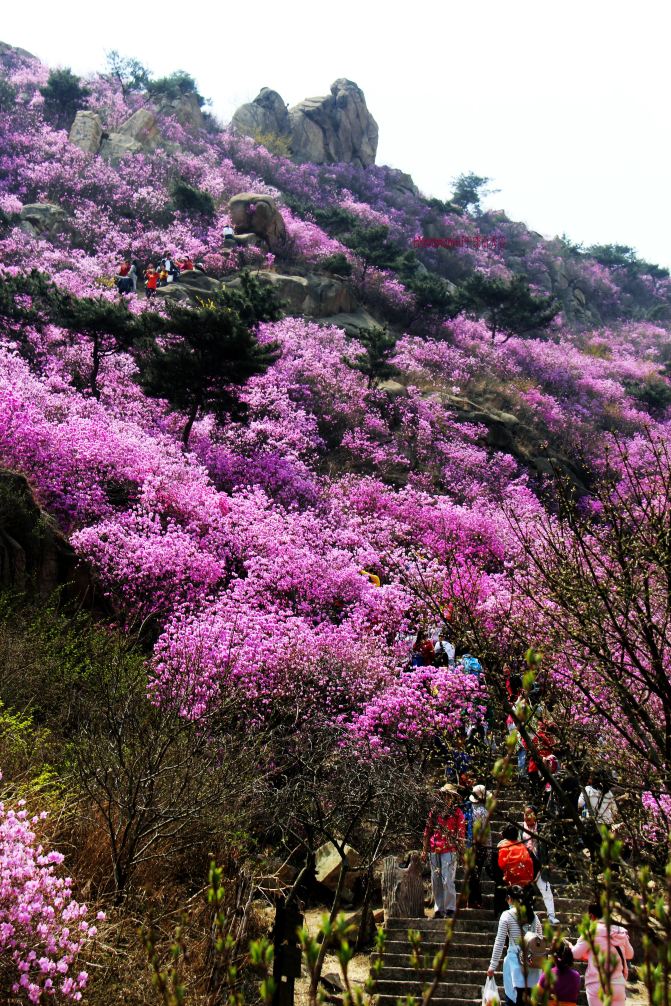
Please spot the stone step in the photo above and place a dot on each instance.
(465, 952)
(460, 990)
(437, 1000)
(465, 972)
(465, 947)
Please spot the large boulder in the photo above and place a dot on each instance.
(327, 863)
(186, 109)
(251, 211)
(116, 146)
(313, 295)
(325, 130)
(86, 131)
(337, 127)
(267, 115)
(43, 219)
(34, 555)
(143, 128)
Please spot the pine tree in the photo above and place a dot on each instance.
(374, 363)
(507, 307)
(209, 351)
(108, 325)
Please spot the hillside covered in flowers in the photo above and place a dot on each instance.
(280, 558)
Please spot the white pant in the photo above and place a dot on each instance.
(546, 894)
(443, 872)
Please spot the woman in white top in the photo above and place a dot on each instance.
(518, 978)
(598, 803)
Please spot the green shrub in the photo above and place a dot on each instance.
(189, 199)
(63, 96)
(338, 264)
(176, 86)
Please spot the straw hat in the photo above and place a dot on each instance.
(479, 794)
(448, 787)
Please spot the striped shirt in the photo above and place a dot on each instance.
(509, 927)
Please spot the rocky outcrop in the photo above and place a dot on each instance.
(186, 109)
(43, 219)
(336, 127)
(266, 115)
(313, 295)
(143, 128)
(86, 131)
(258, 213)
(34, 555)
(116, 146)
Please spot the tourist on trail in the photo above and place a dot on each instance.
(228, 233)
(517, 863)
(422, 651)
(126, 280)
(563, 984)
(151, 281)
(613, 940)
(444, 650)
(530, 837)
(444, 837)
(471, 665)
(543, 742)
(481, 840)
(598, 802)
(518, 977)
(169, 267)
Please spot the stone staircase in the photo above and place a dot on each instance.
(473, 937)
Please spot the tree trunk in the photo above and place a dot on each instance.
(186, 432)
(319, 964)
(402, 889)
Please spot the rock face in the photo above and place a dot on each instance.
(87, 132)
(327, 863)
(138, 133)
(313, 295)
(34, 555)
(338, 127)
(116, 146)
(40, 219)
(186, 109)
(251, 211)
(267, 114)
(325, 130)
(142, 127)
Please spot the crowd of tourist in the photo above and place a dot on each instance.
(519, 862)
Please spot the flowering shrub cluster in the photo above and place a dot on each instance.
(43, 928)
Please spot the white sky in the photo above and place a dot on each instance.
(565, 106)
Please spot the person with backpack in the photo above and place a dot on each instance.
(482, 840)
(563, 983)
(518, 864)
(471, 665)
(609, 940)
(530, 837)
(444, 838)
(516, 925)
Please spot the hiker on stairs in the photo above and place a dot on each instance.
(518, 977)
(529, 835)
(613, 940)
(444, 837)
(482, 838)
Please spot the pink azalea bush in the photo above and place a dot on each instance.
(43, 929)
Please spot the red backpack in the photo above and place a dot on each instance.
(516, 863)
